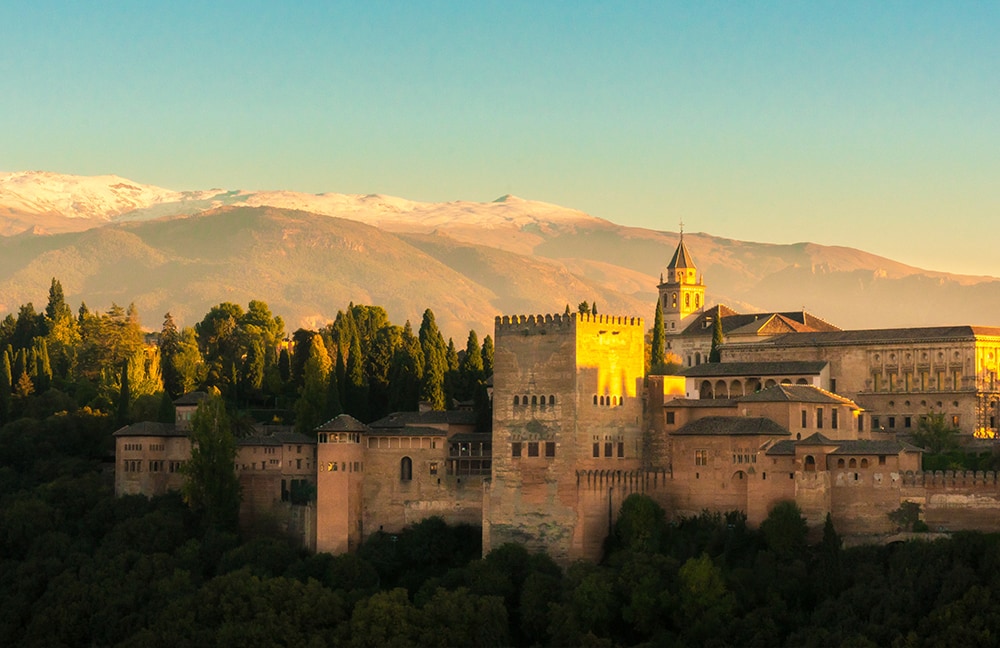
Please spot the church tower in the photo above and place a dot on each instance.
(682, 295)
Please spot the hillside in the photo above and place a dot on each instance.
(109, 239)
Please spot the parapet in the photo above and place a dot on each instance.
(951, 479)
(528, 324)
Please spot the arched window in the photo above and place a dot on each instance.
(534, 400)
(687, 300)
(697, 301)
(864, 463)
(552, 400)
(595, 399)
(524, 399)
(840, 463)
(405, 469)
(602, 400)
(517, 401)
(852, 463)
(697, 358)
(810, 464)
(674, 298)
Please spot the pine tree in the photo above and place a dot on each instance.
(656, 359)
(715, 355)
(57, 309)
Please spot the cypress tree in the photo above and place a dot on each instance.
(5, 387)
(487, 356)
(471, 368)
(715, 355)
(406, 373)
(57, 308)
(170, 339)
(341, 370)
(357, 387)
(43, 368)
(435, 362)
(311, 406)
(656, 358)
(333, 405)
(124, 395)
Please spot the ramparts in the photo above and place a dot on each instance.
(963, 479)
(526, 324)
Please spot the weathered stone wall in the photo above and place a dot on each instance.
(339, 496)
(167, 450)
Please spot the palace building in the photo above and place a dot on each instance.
(797, 409)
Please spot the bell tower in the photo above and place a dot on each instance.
(682, 295)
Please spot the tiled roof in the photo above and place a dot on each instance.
(150, 429)
(732, 426)
(796, 394)
(409, 430)
(471, 437)
(343, 423)
(700, 402)
(817, 438)
(747, 323)
(191, 398)
(868, 446)
(712, 369)
(432, 417)
(882, 336)
(275, 438)
(785, 447)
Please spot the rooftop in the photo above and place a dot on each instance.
(150, 429)
(796, 394)
(720, 369)
(732, 426)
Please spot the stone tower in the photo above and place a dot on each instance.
(682, 295)
(340, 469)
(567, 403)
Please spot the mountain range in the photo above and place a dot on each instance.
(108, 239)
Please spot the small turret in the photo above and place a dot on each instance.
(682, 295)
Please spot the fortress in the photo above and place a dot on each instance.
(797, 409)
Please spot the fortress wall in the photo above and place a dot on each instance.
(600, 494)
(338, 496)
(955, 501)
(863, 498)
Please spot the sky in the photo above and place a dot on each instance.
(874, 125)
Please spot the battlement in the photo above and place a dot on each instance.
(527, 324)
(952, 479)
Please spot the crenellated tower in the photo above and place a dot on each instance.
(682, 294)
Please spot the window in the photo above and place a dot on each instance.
(515, 449)
(552, 400)
(405, 469)
(864, 463)
(833, 418)
(550, 448)
(673, 300)
(701, 457)
(670, 418)
(533, 448)
(881, 460)
(607, 449)
(517, 400)
(804, 423)
(954, 420)
(892, 422)
(621, 449)
(853, 463)
(810, 464)
(907, 421)
(861, 422)
(687, 300)
(833, 385)
(697, 300)
(840, 463)
(597, 449)
(875, 423)
(433, 468)
(819, 418)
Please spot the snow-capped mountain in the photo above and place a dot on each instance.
(39, 198)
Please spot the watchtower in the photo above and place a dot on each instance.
(682, 295)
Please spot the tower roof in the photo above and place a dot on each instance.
(681, 258)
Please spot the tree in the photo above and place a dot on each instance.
(357, 386)
(124, 394)
(311, 406)
(715, 355)
(656, 358)
(583, 308)
(435, 362)
(57, 309)
(935, 434)
(211, 486)
(487, 356)
(5, 386)
(406, 373)
(170, 340)
(785, 529)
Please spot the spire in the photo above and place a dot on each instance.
(681, 258)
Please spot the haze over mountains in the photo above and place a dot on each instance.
(110, 239)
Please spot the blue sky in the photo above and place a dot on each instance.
(874, 125)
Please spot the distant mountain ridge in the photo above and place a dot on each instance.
(110, 239)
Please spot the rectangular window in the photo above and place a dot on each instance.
(433, 467)
(670, 418)
(819, 418)
(833, 385)
(701, 457)
(833, 418)
(940, 381)
(804, 422)
(515, 449)
(533, 448)
(607, 449)
(957, 380)
(909, 382)
(892, 422)
(621, 449)
(907, 421)
(550, 448)
(954, 420)
(923, 381)
(875, 382)
(597, 449)
(881, 460)
(861, 422)
(875, 423)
